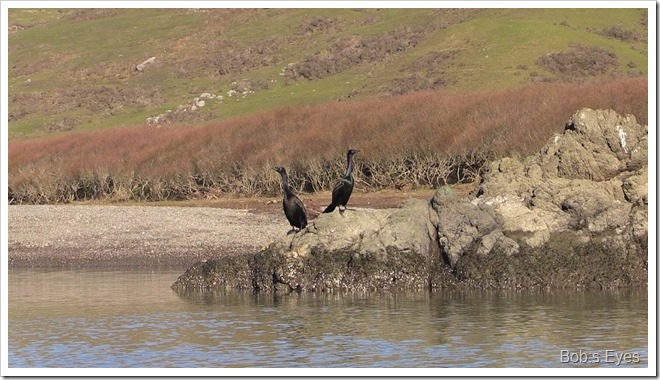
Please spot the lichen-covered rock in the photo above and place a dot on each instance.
(575, 214)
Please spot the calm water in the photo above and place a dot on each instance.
(134, 319)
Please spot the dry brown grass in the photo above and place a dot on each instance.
(418, 140)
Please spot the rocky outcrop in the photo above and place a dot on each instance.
(592, 179)
(575, 214)
(183, 110)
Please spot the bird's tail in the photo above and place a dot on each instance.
(330, 208)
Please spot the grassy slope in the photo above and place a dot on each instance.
(74, 57)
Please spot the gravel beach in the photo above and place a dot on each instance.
(171, 235)
(75, 236)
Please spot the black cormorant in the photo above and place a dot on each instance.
(343, 189)
(294, 209)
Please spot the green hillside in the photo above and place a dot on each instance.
(75, 69)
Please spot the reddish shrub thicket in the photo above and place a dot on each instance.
(423, 139)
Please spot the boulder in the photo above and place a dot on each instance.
(141, 66)
(574, 214)
(359, 249)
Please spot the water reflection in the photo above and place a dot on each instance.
(133, 319)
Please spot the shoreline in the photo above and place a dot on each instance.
(90, 236)
(162, 235)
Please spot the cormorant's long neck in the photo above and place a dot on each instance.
(285, 184)
(349, 165)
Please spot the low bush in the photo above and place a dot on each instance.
(619, 33)
(579, 61)
(348, 51)
(320, 24)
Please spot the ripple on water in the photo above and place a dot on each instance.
(139, 322)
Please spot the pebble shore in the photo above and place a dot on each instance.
(80, 236)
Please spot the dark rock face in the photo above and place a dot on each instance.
(575, 214)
